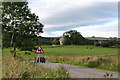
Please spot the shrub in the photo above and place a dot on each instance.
(56, 41)
(99, 62)
(93, 64)
(105, 44)
(96, 43)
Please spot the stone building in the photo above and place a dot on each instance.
(61, 41)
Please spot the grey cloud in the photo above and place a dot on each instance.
(62, 28)
(96, 11)
(77, 16)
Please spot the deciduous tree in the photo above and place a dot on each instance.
(73, 37)
(19, 25)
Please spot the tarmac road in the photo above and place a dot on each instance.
(81, 72)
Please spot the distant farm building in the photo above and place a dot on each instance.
(61, 41)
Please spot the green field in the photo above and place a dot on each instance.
(89, 56)
(78, 51)
(70, 51)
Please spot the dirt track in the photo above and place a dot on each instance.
(81, 72)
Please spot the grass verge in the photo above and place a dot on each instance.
(23, 68)
(98, 62)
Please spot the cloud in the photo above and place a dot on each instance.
(45, 8)
(104, 30)
(59, 16)
(53, 34)
(96, 12)
(77, 16)
(109, 29)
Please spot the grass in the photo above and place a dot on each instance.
(23, 68)
(71, 51)
(100, 62)
(78, 55)
(78, 51)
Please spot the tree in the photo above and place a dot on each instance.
(105, 44)
(96, 43)
(93, 36)
(56, 41)
(66, 40)
(19, 25)
(74, 37)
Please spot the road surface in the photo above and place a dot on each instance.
(81, 72)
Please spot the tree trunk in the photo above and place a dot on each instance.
(14, 52)
(13, 45)
(12, 40)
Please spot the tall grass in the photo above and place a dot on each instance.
(21, 68)
(100, 62)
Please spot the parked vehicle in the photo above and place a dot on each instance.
(40, 59)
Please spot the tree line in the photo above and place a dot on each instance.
(72, 37)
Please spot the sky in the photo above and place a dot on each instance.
(97, 18)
